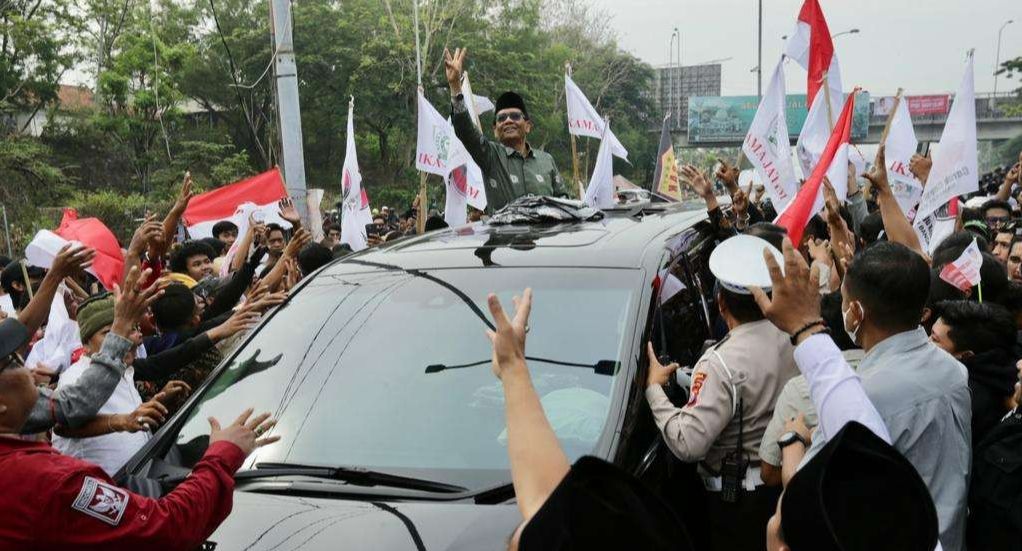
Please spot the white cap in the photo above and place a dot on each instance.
(738, 263)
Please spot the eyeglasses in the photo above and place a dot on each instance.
(12, 361)
(516, 116)
(997, 221)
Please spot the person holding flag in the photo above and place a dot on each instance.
(511, 167)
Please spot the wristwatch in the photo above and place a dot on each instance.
(790, 438)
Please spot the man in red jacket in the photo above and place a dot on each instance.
(51, 501)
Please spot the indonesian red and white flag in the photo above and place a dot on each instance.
(353, 198)
(583, 120)
(235, 202)
(901, 144)
(815, 135)
(811, 46)
(600, 193)
(108, 266)
(767, 145)
(955, 169)
(809, 199)
(964, 273)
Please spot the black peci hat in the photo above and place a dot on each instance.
(858, 493)
(13, 334)
(599, 506)
(510, 100)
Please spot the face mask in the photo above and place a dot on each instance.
(854, 333)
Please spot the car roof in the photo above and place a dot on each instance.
(619, 240)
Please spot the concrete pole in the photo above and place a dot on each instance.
(285, 72)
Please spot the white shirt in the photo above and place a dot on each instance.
(111, 451)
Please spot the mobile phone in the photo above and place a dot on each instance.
(372, 229)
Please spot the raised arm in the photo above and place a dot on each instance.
(158, 247)
(895, 224)
(276, 275)
(1010, 179)
(537, 462)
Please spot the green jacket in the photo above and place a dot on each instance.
(507, 174)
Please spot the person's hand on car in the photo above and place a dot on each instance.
(245, 433)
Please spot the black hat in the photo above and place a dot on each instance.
(13, 335)
(858, 493)
(599, 506)
(510, 100)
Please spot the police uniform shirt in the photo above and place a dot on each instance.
(760, 360)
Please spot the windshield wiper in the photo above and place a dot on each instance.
(602, 367)
(357, 476)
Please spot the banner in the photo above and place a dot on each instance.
(917, 105)
(767, 145)
(964, 273)
(716, 119)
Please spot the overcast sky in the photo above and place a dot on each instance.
(919, 45)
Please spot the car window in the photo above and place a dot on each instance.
(360, 369)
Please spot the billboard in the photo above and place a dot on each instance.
(917, 105)
(714, 119)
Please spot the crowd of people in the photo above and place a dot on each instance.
(854, 399)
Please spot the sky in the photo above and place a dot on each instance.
(918, 45)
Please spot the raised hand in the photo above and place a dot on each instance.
(877, 175)
(740, 201)
(300, 239)
(243, 432)
(242, 320)
(454, 64)
(185, 194)
(697, 180)
(920, 166)
(795, 296)
(658, 374)
(150, 231)
(131, 303)
(727, 174)
(830, 202)
(509, 338)
(289, 212)
(819, 251)
(70, 259)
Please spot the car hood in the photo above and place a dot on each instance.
(260, 522)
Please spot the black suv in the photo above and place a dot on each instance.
(378, 369)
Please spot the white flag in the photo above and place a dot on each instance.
(964, 273)
(474, 190)
(464, 186)
(477, 104)
(313, 201)
(352, 227)
(901, 144)
(815, 134)
(955, 167)
(600, 193)
(433, 152)
(768, 147)
(583, 120)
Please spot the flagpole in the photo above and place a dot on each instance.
(420, 221)
(890, 119)
(574, 146)
(826, 96)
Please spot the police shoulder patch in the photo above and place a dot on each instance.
(101, 500)
(697, 384)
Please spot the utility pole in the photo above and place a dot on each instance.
(759, 54)
(285, 72)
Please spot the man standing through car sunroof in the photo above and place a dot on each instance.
(511, 167)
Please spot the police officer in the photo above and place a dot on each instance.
(511, 167)
(734, 387)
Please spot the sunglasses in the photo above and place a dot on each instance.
(514, 115)
(997, 220)
(13, 361)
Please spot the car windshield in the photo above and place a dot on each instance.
(361, 368)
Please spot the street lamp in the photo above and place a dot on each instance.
(998, 64)
(850, 31)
